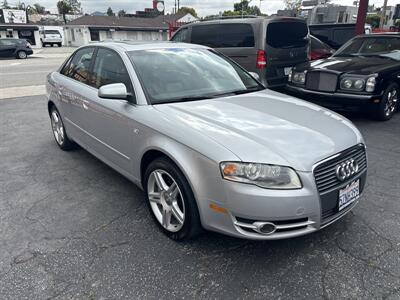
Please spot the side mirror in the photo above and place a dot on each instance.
(113, 91)
(255, 75)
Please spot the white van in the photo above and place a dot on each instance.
(51, 37)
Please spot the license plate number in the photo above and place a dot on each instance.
(287, 70)
(349, 194)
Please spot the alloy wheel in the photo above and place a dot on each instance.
(391, 102)
(22, 55)
(166, 200)
(57, 126)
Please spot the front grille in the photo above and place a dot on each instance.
(325, 173)
(321, 81)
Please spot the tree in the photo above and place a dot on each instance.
(373, 20)
(187, 10)
(64, 8)
(293, 5)
(5, 5)
(243, 7)
(19, 6)
(110, 12)
(38, 9)
(122, 13)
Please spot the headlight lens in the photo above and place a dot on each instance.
(298, 77)
(262, 175)
(352, 84)
(370, 85)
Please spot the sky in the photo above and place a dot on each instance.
(203, 7)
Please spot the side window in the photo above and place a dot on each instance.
(207, 35)
(181, 35)
(78, 67)
(236, 35)
(109, 68)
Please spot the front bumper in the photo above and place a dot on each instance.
(335, 100)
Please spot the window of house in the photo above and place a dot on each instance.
(9, 33)
(78, 67)
(73, 34)
(109, 68)
(94, 35)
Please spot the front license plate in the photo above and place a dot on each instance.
(287, 70)
(349, 194)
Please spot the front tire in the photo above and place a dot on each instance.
(21, 55)
(389, 104)
(171, 201)
(59, 132)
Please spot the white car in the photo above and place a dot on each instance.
(51, 37)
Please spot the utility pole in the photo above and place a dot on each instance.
(175, 8)
(178, 5)
(383, 14)
(361, 16)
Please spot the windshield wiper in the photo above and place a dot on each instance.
(239, 92)
(192, 98)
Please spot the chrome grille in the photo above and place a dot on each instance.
(321, 81)
(325, 173)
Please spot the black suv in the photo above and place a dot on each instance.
(266, 46)
(18, 48)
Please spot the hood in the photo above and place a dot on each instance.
(354, 65)
(267, 127)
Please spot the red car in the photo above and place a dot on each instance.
(319, 49)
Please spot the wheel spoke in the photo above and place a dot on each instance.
(155, 197)
(177, 213)
(166, 218)
(161, 184)
(173, 190)
(55, 117)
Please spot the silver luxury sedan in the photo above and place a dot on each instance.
(209, 145)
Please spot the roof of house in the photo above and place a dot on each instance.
(160, 22)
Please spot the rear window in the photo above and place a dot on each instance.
(287, 34)
(52, 32)
(223, 35)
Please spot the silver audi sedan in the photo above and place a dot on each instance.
(208, 144)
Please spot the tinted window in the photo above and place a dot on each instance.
(52, 32)
(176, 74)
(181, 35)
(78, 68)
(287, 34)
(7, 42)
(370, 46)
(224, 35)
(109, 68)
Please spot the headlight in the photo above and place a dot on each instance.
(262, 175)
(352, 84)
(370, 86)
(298, 77)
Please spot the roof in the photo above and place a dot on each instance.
(159, 22)
(145, 45)
(19, 26)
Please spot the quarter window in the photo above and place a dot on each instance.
(78, 68)
(223, 35)
(109, 68)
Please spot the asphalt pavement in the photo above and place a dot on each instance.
(72, 228)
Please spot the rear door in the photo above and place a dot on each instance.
(287, 45)
(7, 47)
(235, 40)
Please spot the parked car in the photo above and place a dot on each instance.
(209, 145)
(364, 73)
(51, 37)
(268, 47)
(319, 50)
(18, 48)
(334, 35)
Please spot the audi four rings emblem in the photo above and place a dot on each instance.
(346, 169)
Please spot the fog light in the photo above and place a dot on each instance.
(266, 228)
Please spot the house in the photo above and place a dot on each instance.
(331, 13)
(88, 29)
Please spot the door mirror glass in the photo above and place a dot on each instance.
(113, 91)
(255, 75)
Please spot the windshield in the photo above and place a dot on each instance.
(52, 32)
(176, 74)
(370, 46)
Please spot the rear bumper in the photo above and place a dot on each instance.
(334, 100)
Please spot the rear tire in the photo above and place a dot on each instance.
(59, 133)
(389, 104)
(173, 206)
(22, 54)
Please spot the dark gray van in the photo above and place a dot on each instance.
(266, 46)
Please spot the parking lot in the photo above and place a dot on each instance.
(72, 228)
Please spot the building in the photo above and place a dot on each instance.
(331, 13)
(156, 10)
(100, 28)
